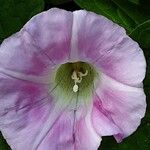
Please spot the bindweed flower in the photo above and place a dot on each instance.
(67, 79)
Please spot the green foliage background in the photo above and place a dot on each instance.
(133, 15)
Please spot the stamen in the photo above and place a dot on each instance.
(77, 77)
(75, 88)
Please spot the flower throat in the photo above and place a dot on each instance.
(75, 77)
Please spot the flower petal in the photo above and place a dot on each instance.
(124, 105)
(102, 121)
(18, 55)
(32, 120)
(24, 106)
(68, 134)
(106, 45)
(27, 59)
(51, 31)
(42, 43)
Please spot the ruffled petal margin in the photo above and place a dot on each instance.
(118, 108)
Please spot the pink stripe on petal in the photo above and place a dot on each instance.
(25, 106)
(104, 44)
(102, 120)
(22, 113)
(70, 134)
(17, 54)
(31, 119)
(42, 43)
(51, 31)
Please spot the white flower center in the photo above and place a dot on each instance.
(77, 77)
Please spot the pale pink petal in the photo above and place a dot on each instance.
(27, 112)
(33, 118)
(24, 106)
(51, 31)
(124, 105)
(19, 55)
(105, 44)
(26, 103)
(42, 43)
(102, 120)
(70, 134)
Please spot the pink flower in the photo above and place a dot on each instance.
(67, 79)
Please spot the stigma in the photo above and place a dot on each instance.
(77, 77)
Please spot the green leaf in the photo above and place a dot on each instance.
(15, 13)
(109, 9)
(145, 7)
(57, 2)
(136, 13)
(3, 144)
(129, 24)
(135, 1)
(142, 34)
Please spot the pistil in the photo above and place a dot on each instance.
(77, 77)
